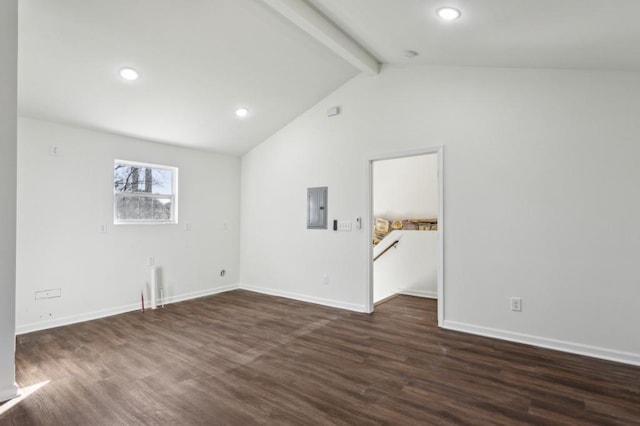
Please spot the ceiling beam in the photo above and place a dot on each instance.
(326, 32)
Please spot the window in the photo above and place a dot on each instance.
(144, 193)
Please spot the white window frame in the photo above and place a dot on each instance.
(173, 195)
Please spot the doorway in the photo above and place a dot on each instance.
(389, 228)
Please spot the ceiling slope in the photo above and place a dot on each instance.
(568, 34)
(198, 61)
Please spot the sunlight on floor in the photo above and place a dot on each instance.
(24, 393)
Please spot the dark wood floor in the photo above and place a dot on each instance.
(240, 358)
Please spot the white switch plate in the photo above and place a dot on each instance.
(325, 279)
(344, 225)
(187, 226)
(151, 261)
(54, 150)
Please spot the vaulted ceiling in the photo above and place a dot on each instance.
(200, 60)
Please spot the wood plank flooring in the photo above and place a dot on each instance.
(241, 358)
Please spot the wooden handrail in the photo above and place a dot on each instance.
(395, 244)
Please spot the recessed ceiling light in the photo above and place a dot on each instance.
(448, 13)
(242, 112)
(129, 74)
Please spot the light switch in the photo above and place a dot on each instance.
(344, 225)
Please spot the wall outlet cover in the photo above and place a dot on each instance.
(516, 304)
(48, 294)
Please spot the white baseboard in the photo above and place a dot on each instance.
(197, 294)
(304, 298)
(420, 293)
(88, 316)
(543, 342)
(72, 319)
(8, 392)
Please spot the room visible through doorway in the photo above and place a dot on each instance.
(405, 226)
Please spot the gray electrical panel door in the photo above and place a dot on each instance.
(317, 208)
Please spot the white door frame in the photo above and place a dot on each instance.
(368, 222)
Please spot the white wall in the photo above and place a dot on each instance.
(409, 268)
(540, 190)
(406, 187)
(8, 105)
(63, 200)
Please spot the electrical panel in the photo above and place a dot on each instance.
(317, 208)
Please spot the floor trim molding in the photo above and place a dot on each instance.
(303, 298)
(543, 342)
(88, 316)
(9, 392)
(420, 293)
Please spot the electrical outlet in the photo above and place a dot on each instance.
(325, 279)
(516, 304)
(48, 294)
(103, 229)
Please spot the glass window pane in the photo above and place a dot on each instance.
(128, 178)
(162, 208)
(132, 178)
(119, 208)
(162, 181)
(128, 208)
(131, 207)
(155, 186)
(146, 208)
